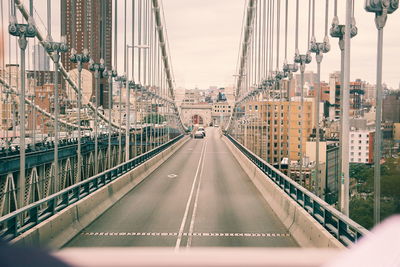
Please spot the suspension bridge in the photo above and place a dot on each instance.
(121, 168)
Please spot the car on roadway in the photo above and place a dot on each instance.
(198, 134)
(201, 129)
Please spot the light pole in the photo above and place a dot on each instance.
(302, 60)
(381, 9)
(23, 31)
(56, 48)
(128, 108)
(139, 47)
(110, 75)
(319, 49)
(7, 93)
(98, 69)
(338, 31)
(289, 69)
(79, 59)
(121, 80)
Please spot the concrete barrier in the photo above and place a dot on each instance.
(301, 225)
(56, 231)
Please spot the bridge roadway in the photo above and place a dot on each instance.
(198, 197)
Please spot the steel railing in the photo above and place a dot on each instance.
(339, 225)
(23, 219)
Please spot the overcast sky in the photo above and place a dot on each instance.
(204, 38)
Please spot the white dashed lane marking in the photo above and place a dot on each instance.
(187, 234)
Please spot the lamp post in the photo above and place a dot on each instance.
(79, 59)
(7, 93)
(381, 8)
(98, 69)
(22, 31)
(319, 49)
(338, 31)
(110, 75)
(56, 48)
(121, 80)
(128, 108)
(289, 69)
(302, 60)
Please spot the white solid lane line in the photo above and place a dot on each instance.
(178, 241)
(189, 241)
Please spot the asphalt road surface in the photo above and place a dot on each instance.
(199, 197)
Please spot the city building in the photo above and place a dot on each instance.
(361, 145)
(192, 96)
(93, 21)
(391, 108)
(357, 101)
(332, 174)
(309, 78)
(43, 77)
(44, 100)
(285, 121)
(221, 112)
(357, 98)
(41, 61)
(334, 96)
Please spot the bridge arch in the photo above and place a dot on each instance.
(197, 119)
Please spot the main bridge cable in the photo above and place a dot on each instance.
(245, 44)
(167, 69)
(249, 21)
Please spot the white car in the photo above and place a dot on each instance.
(201, 129)
(199, 134)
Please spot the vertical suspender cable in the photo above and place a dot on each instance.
(133, 79)
(345, 103)
(128, 99)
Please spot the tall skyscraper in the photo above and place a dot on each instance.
(41, 60)
(88, 25)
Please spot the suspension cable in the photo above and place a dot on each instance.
(326, 17)
(278, 21)
(286, 28)
(309, 25)
(297, 26)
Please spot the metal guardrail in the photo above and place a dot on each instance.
(339, 225)
(21, 220)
